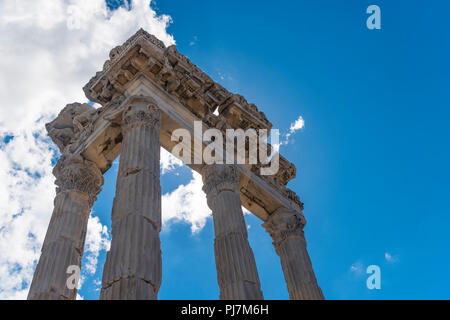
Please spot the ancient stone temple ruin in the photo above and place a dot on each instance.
(146, 91)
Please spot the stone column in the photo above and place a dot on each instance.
(132, 269)
(237, 274)
(285, 226)
(78, 181)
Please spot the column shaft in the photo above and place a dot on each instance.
(132, 269)
(78, 182)
(237, 273)
(286, 228)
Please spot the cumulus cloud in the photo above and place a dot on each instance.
(295, 126)
(49, 51)
(285, 138)
(169, 162)
(187, 203)
(97, 239)
(26, 202)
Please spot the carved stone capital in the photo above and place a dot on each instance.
(219, 177)
(141, 111)
(73, 172)
(285, 223)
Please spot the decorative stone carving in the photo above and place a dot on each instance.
(218, 122)
(241, 114)
(284, 223)
(69, 123)
(217, 178)
(72, 172)
(291, 195)
(148, 116)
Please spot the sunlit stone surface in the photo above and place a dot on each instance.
(146, 91)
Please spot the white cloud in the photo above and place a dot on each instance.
(26, 202)
(169, 162)
(390, 258)
(97, 239)
(186, 203)
(295, 126)
(49, 50)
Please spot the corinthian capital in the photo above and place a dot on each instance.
(73, 172)
(285, 223)
(141, 111)
(219, 177)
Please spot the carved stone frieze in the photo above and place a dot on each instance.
(241, 114)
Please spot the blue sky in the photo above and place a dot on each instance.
(372, 159)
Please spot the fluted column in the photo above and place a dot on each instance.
(78, 181)
(132, 269)
(237, 274)
(285, 226)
